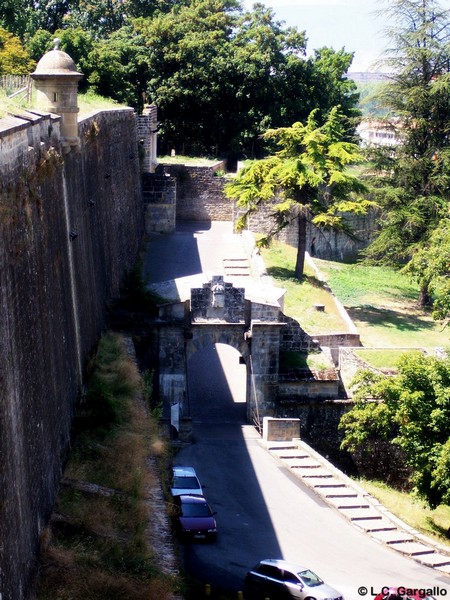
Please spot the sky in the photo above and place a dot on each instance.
(350, 24)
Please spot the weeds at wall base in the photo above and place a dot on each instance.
(97, 544)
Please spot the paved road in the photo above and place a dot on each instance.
(263, 511)
(195, 247)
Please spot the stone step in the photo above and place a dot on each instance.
(308, 465)
(329, 482)
(362, 514)
(292, 454)
(299, 463)
(371, 525)
(277, 446)
(413, 548)
(393, 536)
(344, 493)
(349, 503)
(445, 568)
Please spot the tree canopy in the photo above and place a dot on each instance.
(412, 182)
(307, 178)
(410, 410)
(14, 60)
(220, 75)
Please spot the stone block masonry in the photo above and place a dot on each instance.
(159, 193)
(70, 225)
(200, 194)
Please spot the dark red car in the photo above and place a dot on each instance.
(194, 517)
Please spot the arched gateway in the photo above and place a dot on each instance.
(199, 311)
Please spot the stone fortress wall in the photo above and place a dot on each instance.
(71, 224)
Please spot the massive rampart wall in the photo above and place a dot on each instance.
(70, 225)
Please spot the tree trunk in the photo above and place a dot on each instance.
(301, 245)
(424, 298)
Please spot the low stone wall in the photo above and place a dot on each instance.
(314, 386)
(280, 430)
(330, 245)
(200, 194)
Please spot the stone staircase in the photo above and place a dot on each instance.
(361, 509)
(236, 267)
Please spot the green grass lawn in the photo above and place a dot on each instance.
(380, 301)
(87, 103)
(382, 304)
(382, 358)
(301, 296)
(433, 523)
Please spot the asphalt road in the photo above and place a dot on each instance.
(265, 512)
(262, 510)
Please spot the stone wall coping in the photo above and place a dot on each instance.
(95, 112)
(13, 123)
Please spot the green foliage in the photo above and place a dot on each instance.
(412, 183)
(102, 548)
(220, 75)
(411, 410)
(307, 176)
(14, 59)
(301, 296)
(411, 510)
(118, 67)
(430, 266)
(380, 358)
(111, 381)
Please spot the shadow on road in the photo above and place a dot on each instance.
(220, 455)
(223, 441)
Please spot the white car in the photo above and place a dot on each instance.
(279, 580)
(185, 481)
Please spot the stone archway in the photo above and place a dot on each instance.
(216, 384)
(218, 312)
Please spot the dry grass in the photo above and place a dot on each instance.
(431, 522)
(100, 548)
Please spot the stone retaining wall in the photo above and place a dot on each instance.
(159, 194)
(70, 226)
(200, 194)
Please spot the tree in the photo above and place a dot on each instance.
(306, 178)
(410, 410)
(118, 68)
(190, 62)
(14, 59)
(221, 76)
(412, 182)
(430, 265)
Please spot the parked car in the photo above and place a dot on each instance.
(404, 593)
(282, 580)
(185, 481)
(194, 518)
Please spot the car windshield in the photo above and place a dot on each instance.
(187, 483)
(309, 578)
(195, 510)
